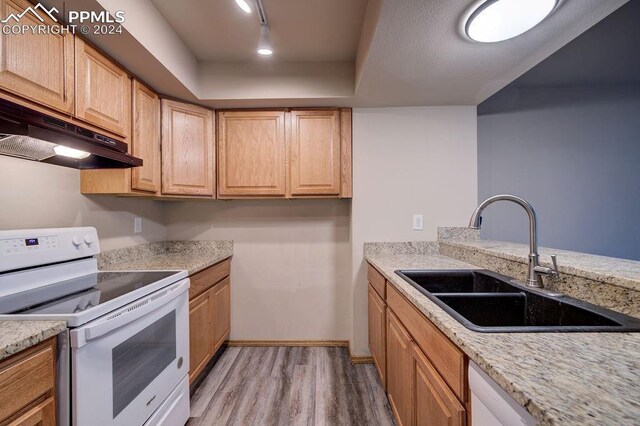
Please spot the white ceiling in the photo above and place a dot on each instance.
(300, 30)
(330, 52)
(419, 55)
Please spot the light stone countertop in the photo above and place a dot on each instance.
(611, 270)
(16, 336)
(192, 256)
(560, 378)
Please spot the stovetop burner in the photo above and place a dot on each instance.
(79, 294)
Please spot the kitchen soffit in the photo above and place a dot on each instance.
(408, 53)
(300, 31)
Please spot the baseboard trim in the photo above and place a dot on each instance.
(355, 359)
(361, 359)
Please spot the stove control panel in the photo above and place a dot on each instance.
(26, 245)
(34, 247)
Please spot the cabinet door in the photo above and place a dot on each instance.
(399, 370)
(434, 403)
(200, 335)
(221, 318)
(27, 377)
(38, 67)
(315, 152)
(145, 140)
(251, 153)
(43, 414)
(377, 325)
(187, 149)
(103, 91)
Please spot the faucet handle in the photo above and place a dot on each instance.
(554, 260)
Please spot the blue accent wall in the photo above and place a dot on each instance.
(570, 146)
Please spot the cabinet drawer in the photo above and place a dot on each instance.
(43, 414)
(447, 359)
(377, 280)
(204, 280)
(26, 377)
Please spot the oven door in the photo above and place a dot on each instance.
(124, 365)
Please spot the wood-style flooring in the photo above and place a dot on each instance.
(290, 386)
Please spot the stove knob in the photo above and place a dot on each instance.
(76, 242)
(88, 239)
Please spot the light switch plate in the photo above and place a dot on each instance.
(418, 222)
(137, 225)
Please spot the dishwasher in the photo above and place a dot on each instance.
(491, 405)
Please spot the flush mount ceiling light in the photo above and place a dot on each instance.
(498, 20)
(242, 4)
(65, 151)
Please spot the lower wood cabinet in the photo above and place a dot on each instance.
(378, 333)
(221, 300)
(209, 315)
(200, 333)
(434, 403)
(399, 370)
(424, 372)
(27, 386)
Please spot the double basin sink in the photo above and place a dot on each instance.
(485, 301)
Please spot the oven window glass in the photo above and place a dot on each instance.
(140, 359)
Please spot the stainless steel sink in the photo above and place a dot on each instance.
(485, 301)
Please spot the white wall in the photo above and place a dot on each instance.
(291, 264)
(417, 160)
(298, 270)
(38, 195)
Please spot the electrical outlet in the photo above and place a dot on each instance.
(137, 225)
(418, 222)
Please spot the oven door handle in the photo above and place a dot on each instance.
(128, 314)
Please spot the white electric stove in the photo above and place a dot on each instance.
(124, 359)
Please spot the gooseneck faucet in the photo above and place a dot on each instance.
(534, 275)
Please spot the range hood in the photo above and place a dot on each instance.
(29, 134)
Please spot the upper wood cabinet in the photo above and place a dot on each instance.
(145, 140)
(37, 67)
(144, 143)
(297, 153)
(103, 90)
(251, 154)
(315, 152)
(188, 149)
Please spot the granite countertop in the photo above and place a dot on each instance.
(560, 378)
(192, 256)
(16, 336)
(619, 272)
